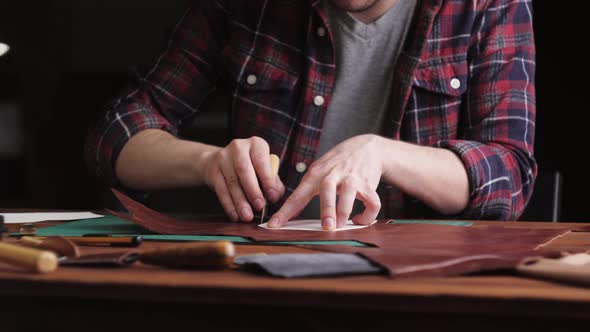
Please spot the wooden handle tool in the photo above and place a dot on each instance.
(29, 259)
(113, 241)
(58, 244)
(274, 164)
(196, 255)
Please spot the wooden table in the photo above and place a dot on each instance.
(149, 297)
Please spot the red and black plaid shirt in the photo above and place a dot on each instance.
(464, 81)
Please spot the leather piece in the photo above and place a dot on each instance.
(308, 265)
(404, 250)
(443, 262)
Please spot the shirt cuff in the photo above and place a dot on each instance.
(489, 169)
(114, 132)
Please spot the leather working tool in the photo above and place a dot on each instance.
(57, 244)
(39, 254)
(65, 246)
(113, 241)
(274, 164)
(29, 259)
(196, 255)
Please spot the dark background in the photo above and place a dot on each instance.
(70, 56)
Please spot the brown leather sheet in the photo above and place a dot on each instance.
(404, 250)
(432, 262)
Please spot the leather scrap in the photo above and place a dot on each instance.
(308, 265)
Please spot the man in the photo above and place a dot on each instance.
(414, 108)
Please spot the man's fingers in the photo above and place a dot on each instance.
(297, 201)
(346, 196)
(259, 153)
(372, 207)
(248, 180)
(235, 189)
(224, 196)
(328, 203)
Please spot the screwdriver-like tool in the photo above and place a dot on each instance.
(274, 164)
(29, 259)
(194, 255)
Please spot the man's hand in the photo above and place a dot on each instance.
(234, 173)
(350, 170)
(154, 159)
(354, 168)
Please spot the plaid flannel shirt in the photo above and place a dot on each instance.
(464, 81)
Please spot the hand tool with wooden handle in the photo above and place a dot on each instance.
(58, 244)
(113, 241)
(196, 255)
(29, 259)
(274, 164)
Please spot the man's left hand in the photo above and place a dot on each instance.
(351, 170)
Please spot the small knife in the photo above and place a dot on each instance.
(274, 164)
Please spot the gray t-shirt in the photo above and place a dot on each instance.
(365, 58)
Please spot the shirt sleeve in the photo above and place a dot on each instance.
(172, 90)
(498, 131)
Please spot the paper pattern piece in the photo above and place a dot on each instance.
(21, 218)
(314, 225)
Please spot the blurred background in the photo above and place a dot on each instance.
(68, 57)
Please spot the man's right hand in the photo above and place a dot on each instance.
(154, 159)
(236, 174)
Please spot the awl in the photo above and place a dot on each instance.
(274, 164)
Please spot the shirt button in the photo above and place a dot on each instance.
(319, 101)
(455, 83)
(301, 167)
(251, 79)
(321, 31)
